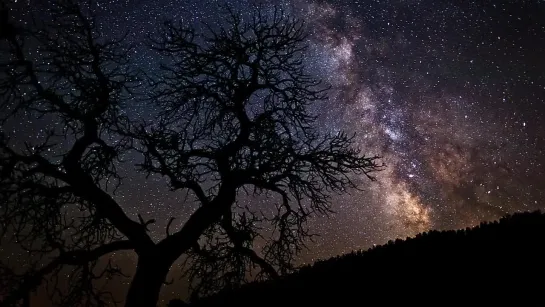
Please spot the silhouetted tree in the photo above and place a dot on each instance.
(233, 117)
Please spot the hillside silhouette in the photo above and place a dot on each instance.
(491, 262)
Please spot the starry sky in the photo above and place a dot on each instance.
(450, 93)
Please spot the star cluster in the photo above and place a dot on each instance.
(450, 93)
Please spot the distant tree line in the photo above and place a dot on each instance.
(488, 263)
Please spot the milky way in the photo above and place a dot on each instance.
(450, 93)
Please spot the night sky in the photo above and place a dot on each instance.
(450, 93)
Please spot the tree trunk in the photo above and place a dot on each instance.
(151, 272)
(153, 267)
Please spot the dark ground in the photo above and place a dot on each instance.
(499, 262)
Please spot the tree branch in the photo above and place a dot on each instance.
(238, 242)
(75, 258)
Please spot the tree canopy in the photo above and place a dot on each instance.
(234, 117)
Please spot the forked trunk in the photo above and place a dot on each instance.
(153, 267)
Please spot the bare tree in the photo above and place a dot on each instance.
(234, 121)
